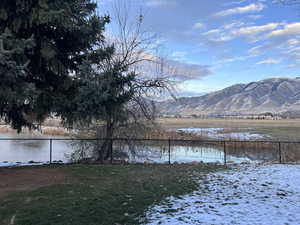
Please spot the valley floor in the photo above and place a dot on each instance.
(265, 195)
(176, 123)
(287, 129)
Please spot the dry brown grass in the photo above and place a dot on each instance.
(284, 130)
(175, 123)
(55, 131)
(51, 131)
(27, 179)
(256, 150)
(6, 129)
(165, 134)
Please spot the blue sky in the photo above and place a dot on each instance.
(225, 42)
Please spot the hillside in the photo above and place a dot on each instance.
(274, 95)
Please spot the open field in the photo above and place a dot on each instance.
(91, 194)
(278, 129)
(175, 123)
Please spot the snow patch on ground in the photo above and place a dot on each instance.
(10, 164)
(245, 195)
(219, 133)
(16, 164)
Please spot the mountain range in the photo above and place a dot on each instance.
(275, 95)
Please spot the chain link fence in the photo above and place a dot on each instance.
(42, 150)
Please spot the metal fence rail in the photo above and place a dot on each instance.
(174, 150)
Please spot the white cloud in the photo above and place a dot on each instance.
(285, 38)
(175, 69)
(254, 30)
(230, 32)
(293, 41)
(154, 3)
(187, 71)
(235, 3)
(255, 7)
(255, 50)
(293, 55)
(268, 62)
(178, 54)
(293, 50)
(287, 31)
(214, 31)
(199, 25)
(235, 24)
(158, 3)
(234, 59)
(293, 65)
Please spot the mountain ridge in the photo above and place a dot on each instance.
(275, 95)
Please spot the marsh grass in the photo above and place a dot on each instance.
(256, 151)
(51, 131)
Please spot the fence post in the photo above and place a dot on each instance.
(50, 151)
(111, 151)
(169, 150)
(225, 156)
(279, 152)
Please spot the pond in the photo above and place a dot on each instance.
(24, 151)
(17, 152)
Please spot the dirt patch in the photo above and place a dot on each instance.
(27, 179)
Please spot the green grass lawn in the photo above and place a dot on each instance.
(101, 194)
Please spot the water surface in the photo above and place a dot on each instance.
(12, 151)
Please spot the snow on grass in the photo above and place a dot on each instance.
(252, 194)
(16, 164)
(31, 163)
(218, 133)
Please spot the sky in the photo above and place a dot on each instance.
(224, 42)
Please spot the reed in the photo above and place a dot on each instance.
(49, 131)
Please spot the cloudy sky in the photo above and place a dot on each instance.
(224, 42)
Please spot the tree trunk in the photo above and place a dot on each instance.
(104, 152)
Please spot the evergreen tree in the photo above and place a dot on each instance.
(43, 44)
(14, 91)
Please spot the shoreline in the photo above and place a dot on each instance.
(45, 130)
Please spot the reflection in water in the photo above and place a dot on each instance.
(28, 144)
(182, 154)
(31, 150)
(39, 151)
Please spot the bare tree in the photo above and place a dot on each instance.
(127, 80)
